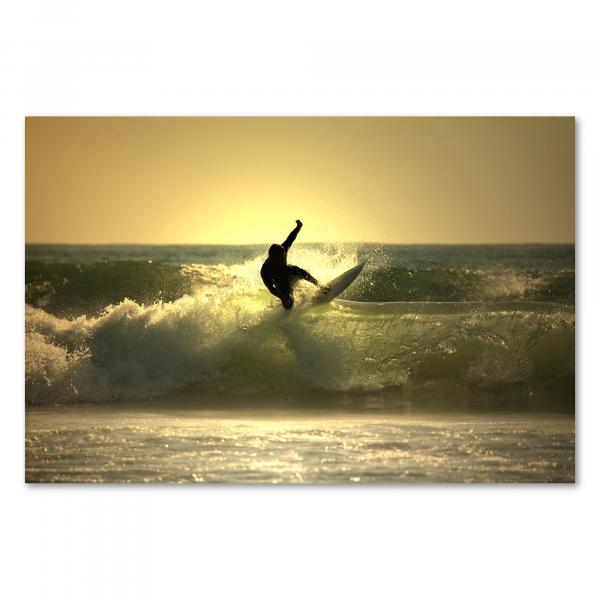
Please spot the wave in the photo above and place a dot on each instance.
(74, 289)
(232, 342)
(123, 330)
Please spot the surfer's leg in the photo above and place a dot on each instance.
(287, 300)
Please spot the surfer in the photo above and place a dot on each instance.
(279, 277)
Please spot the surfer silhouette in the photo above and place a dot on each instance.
(279, 277)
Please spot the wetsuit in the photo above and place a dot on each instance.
(278, 276)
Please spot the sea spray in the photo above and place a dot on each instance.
(134, 351)
(130, 330)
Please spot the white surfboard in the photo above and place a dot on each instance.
(337, 286)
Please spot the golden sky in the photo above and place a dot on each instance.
(245, 180)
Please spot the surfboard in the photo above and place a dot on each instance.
(337, 286)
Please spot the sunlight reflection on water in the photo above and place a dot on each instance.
(94, 445)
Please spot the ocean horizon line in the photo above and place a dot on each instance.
(113, 244)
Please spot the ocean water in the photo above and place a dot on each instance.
(460, 359)
(157, 445)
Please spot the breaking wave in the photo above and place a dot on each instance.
(72, 289)
(129, 330)
(235, 345)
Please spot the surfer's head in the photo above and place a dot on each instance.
(277, 253)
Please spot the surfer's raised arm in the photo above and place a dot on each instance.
(292, 237)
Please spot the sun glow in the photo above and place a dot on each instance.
(245, 180)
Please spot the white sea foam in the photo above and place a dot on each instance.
(235, 342)
(229, 335)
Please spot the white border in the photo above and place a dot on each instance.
(404, 58)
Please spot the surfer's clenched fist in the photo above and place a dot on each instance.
(299, 222)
